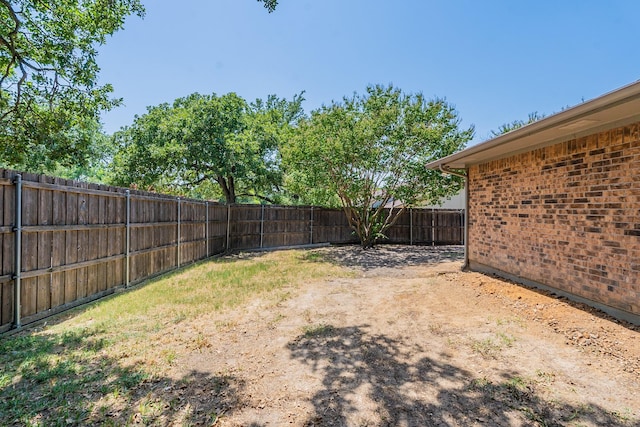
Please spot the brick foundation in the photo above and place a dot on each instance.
(566, 216)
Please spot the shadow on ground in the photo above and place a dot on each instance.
(67, 380)
(386, 256)
(409, 390)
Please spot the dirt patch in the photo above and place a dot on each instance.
(409, 340)
(388, 256)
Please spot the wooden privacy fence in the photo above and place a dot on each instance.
(64, 243)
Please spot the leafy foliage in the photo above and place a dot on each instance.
(202, 140)
(49, 91)
(368, 154)
(96, 165)
(270, 5)
(517, 124)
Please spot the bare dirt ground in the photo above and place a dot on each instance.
(409, 340)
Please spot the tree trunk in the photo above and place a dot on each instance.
(232, 190)
(371, 228)
(367, 241)
(228, 189)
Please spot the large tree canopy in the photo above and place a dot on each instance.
(202, 140)
(49, 91)
(369, 153)
(48, 76)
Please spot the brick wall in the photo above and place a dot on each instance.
(566, 216)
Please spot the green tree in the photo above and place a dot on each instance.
(517, 124)
(270, 123)
(49, 89)
(270, 5)
(368, 152)
(97, 166)
(50, 98)
(203, 140)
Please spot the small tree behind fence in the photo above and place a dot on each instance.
(64, 243)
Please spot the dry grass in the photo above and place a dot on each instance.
(94, 363)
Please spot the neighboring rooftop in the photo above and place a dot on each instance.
(617, 108)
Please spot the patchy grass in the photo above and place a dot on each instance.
(491, 347)
(207, 287)
(437, 328)
(103, 363)
(315, 331)
(506, 339)
(48, 378)
(487, 347)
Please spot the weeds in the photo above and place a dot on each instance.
(201, 342)
(315, 331)
(169, 356)
(479, 383)
(506, 340)
(486, 347)
(624, 415)
(453, 342)
(518, 321)
(490, 347)
(276, 319)
(546, 377)
(436, 328)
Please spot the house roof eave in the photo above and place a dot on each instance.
(616, 108)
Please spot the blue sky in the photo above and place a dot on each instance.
(496, 61)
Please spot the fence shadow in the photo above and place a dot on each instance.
(70, 379)
(386, 256)
(358, 366)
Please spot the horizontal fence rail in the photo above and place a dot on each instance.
(64, 243)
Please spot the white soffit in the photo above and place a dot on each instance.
(616, 108)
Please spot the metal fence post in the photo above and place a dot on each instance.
(178, 240)
(18, 252)
(433, 227)
(128, 241)
(410, 226)
(261, 225)
(206, 222)
(228, 226)
(311, 228)
(462, 226)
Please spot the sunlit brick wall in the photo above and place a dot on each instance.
(566, 216)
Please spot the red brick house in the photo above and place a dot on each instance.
(556, 204)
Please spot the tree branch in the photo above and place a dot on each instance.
(198, 181)
(13, 14)
(266, 199)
